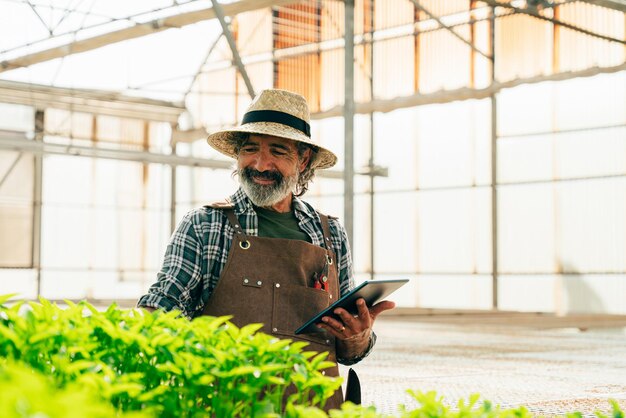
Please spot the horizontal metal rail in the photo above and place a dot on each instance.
(45, 148)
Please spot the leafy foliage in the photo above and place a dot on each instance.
(161, 362)
(81, 362)
(27, 393)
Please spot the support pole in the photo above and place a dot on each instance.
(37, 197)
(494, 168)
(219, 13)
(199, 71)
(369, 61)
(348, 117)
(448, 28)
(173, 192)
(11, 168)
(534, 13)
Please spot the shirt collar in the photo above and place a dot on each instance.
(242, 204)
(302, 209)
(308, 218)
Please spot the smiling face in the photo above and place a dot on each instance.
(268, 168)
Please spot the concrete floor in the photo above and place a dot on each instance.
(510, 361)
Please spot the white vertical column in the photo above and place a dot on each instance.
(494, 168)
(348, 116)
(37, 197)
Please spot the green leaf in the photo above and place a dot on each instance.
(278, 345)
(163, 339)
(275, 380)
(44, 335)
(10, 335)
(169, 368)
(249, 330)
(238, 371)
(132, 389)
(325, 365)
(153, 393)
(69, 303)
(5, 298)
(80, 366)
(318, 359)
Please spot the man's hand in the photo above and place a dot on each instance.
(353, 332)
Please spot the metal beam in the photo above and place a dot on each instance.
(446, 96)
(89, 101)
(39, 148)
(37, 199)
(449, 29)
(348, 118)
(136, 31)
(173, 193)
(191, 135)
(199, 71)
(12, 141)
(368, 49)
(494, 168)
(43, 22)
(13, 165)
(619, 5)
(535, 14)
(337, 44)
(217, 7)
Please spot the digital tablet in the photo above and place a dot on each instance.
(370, 290)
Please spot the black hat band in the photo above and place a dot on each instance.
(278, 117)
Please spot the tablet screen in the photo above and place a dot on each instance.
(370, 290)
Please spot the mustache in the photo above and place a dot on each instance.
(268, 175)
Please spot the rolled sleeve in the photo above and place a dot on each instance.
(355, 360)
(180, 277)
(346, 278)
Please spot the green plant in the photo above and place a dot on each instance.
(615, 413)
(81, 362)
(25, 392)
(163, 363)
(431, 406)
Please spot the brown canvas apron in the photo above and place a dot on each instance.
(269, 281)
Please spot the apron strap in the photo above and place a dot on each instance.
(325, 230)
(330, 253)
(232, 218)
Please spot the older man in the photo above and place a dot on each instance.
(264, 255)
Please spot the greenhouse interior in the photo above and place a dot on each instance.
(481, 155)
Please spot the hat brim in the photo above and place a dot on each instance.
(223, 140)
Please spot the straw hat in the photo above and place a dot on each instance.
(278, 113)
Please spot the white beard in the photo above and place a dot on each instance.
(267, 195)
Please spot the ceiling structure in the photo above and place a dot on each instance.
(144, 59)
(39, 39)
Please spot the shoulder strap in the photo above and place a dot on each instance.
(228, 208)
(221, 204)
(234, 222)
(325, 230)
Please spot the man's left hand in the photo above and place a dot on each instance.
(353, 332)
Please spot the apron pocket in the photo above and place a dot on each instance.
(293, 306)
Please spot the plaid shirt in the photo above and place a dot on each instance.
(198, 250)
